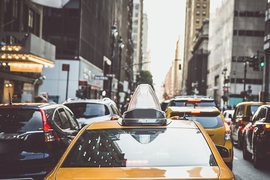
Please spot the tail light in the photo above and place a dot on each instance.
(227, 131)
(229, 123)
(241, 125)
(266, 127)
(49, 133)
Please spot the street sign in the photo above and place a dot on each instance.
(110, 75)
(98, 77)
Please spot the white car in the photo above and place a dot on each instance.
(228, 114)
(93, 110)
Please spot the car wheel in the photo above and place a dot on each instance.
(246, 155)
(257, 161)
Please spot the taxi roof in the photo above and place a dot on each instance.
(190, 108)
(186, 124)
(252, 103)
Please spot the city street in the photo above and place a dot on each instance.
(244, 170)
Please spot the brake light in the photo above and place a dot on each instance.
(229, 123)
(266, 127)
(194, 100)
(195, 112)
(240, 122)
(48, 132)
(227, 131)
(241, 125)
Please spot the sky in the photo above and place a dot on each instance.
(166, 23)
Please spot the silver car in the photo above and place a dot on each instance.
(92, 110)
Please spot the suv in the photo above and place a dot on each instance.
(33, 137)
(242, 115)
(189, 99)
(92, 110)
(213, 122)
(256, 141)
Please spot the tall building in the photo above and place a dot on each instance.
(145, 53)
(24, 54)
(93, 46)
(137, 34)
(236, 35)
(196, 12)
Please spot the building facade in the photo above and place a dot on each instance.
(24, 54)
(92, 38)
(236, 33)
(196, 12)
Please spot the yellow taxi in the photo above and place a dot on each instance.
(213, 122)
(143, 144)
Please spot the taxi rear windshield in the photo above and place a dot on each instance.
(202, 103)
(207, 120)
(140, 148)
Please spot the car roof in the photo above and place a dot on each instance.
(252, 103)
(100, 101)
(191, 108)
(29, 105)
(194, 96)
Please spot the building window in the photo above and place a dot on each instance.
(204, 13)
(235, 13)
(198, 5)
(197, 20)
(204, 5)
(198, 12)
(30, 18)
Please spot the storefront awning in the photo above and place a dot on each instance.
(26, 53)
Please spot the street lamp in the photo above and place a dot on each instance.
(120, 46)
(114, 34)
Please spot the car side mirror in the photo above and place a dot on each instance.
(222, 151)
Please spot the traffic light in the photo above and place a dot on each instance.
(262, 61)
(256, 63)
(180, 67)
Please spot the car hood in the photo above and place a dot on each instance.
(196, 172)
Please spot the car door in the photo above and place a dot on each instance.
(65, 126)
(251, 127)
(239, 111)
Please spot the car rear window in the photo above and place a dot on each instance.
(88, 110)
(20, 120)
(207, 120)
(202, 104)
(140, 148)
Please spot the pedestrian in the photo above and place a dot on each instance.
(16, 97)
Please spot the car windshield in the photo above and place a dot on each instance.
(19, 120)
(202, 104)
(208, 121)
(88, 110)
(252, 109)
(134, 147)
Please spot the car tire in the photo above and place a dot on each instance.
(246, 155)
(257, 161)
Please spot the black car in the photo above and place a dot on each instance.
(33, 137)
(256, 137)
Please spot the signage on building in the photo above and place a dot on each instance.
(98, 77)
